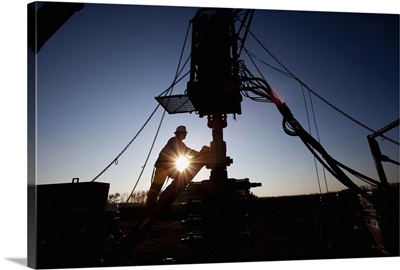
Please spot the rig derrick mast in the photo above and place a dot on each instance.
(213, 88)
(218, 205)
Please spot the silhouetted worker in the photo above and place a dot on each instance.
(165, 165)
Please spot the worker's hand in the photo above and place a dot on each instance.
(205, 148)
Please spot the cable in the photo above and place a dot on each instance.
(147, 158)
(330, 164)
(169, 90)
(252, 55)
(309, 130)
(319, 139)
(316, 94)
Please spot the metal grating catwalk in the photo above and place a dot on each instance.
(176, 104)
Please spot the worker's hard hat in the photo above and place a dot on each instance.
(181, 129)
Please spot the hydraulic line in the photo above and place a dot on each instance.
(291, 75)
(292, 127)
(330, 164)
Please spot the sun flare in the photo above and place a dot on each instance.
(182, 163)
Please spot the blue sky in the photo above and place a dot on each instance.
(99, 74)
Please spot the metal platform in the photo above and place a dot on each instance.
(176, 104)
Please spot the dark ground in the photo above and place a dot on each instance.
(281, 228)
(277, 229)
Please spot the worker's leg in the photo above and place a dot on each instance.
(160, 175)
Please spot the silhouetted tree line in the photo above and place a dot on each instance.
(138, 197)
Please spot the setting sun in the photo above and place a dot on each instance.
(182, 163)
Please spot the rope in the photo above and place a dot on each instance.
(170, 89)
(147, 158)
(115, 160)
